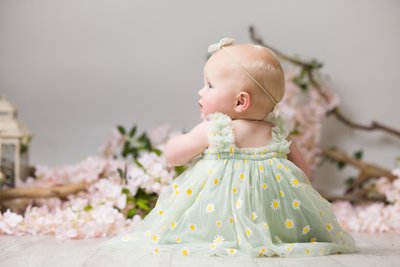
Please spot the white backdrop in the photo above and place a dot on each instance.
(75, 69)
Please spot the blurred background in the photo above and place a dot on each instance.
(75, 69)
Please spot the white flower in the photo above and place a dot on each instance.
(239, 203)
(275, 204)
(295, 182)
(329, 227)
(289, 224)
(231, 251)
(210, 208)
(185, 251)
(296, 204)
(248, 232)
(121, 201)
(192, 227)
(9, 221)
(218, 239)
(306, 229)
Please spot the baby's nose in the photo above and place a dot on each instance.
(201, 92)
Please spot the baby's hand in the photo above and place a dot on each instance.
(182, 148)
(297, 158)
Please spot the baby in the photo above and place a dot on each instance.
(235, 78)
(245, 196)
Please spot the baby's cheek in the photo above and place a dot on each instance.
(213, 106)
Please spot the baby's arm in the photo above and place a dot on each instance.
(296, 157)
(182, 148)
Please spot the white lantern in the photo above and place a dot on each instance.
(14, 141)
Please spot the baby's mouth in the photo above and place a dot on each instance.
(200, 105)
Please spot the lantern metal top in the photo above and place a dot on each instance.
(10, 127)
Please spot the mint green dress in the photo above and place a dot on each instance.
(239, 202)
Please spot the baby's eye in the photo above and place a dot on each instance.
(209, 85)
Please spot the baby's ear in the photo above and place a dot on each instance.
(242, 102)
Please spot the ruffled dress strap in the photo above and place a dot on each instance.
(220, 131)
(280, 132)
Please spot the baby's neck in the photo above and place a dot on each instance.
(247, 117)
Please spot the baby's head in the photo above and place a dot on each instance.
(242, 81)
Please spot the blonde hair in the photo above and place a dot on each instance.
(267, 70)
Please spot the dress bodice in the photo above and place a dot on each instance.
(222, 140)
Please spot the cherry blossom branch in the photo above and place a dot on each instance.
(355, 192)
(309, 68)
(61, 191)
(360, 196)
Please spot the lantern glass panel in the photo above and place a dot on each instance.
(24, 168)
(7, 164)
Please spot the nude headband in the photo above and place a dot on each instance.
(228, 41)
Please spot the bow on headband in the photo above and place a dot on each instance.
(223, 42)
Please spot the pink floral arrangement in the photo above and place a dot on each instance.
(98, 211)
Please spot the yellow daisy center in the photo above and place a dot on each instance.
(185, 251)
(154, 238)
(289, 223)
(264, 186)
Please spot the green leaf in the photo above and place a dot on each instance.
(142, 203)
(147, 144)
(303, 86)
(316, 64)
(358, 154)
(180, 169)
(125, 191)
(88, 207)
(341, 165)
(295, 132)
(350, 180)
(121, 173)
(126, 149)
(132, 212)
(157, 151)
(134, 152)
(121, 130)
(130, 199)
(132, 131)
(302, 74)
(138, 163)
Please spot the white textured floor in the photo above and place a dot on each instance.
(374, 250)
